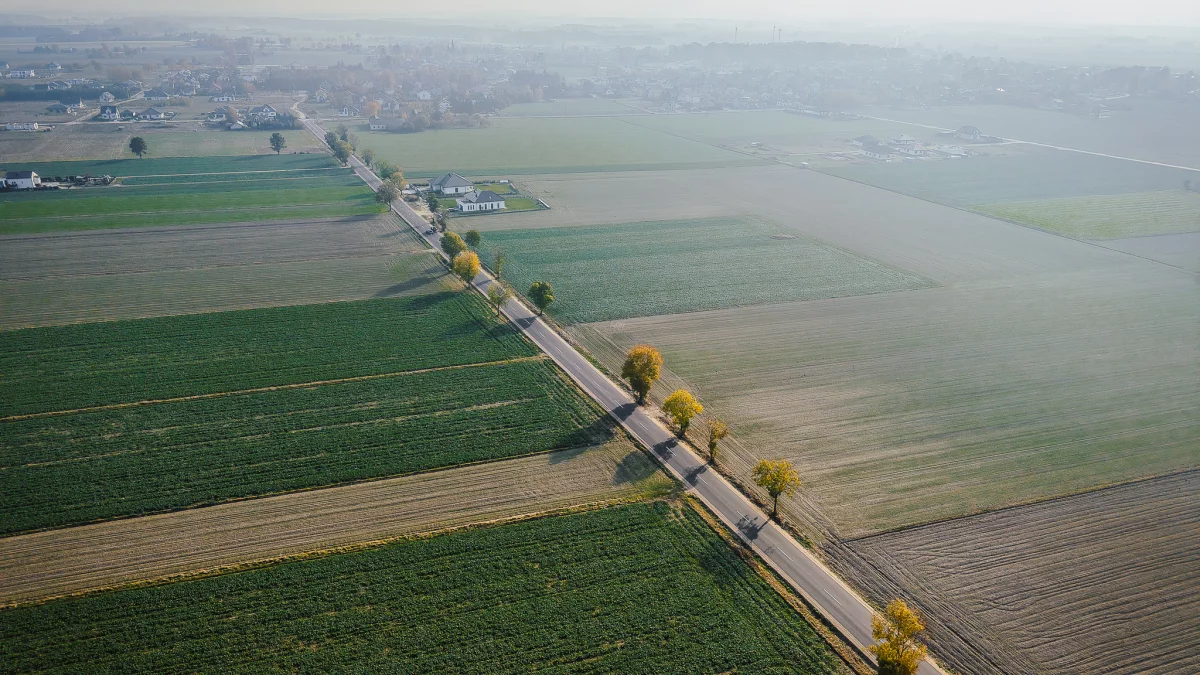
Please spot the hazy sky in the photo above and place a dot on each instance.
(1129, 12)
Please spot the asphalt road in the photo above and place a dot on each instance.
(817, 584)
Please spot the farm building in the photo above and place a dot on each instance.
(377, 124)
(485, 200)
(452, 184)
(22, 74)
(22, 180)
(968, 133)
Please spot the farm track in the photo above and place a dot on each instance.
(229, 536)
(1104, 581)
(259, 390)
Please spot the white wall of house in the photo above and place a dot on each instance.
(24, 183)
(468, 207)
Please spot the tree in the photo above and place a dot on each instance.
(331, 139)
(717, 430)
(777, 477)
(137, 145)
(397, 180)
(431, 201)
(368, 158)
(342, 151)
(498, 294)
(682, 407)
(542, 294)
(453, 244)
(898, 651)
(278, 142)
(642, 366)
(342, 132)
(371, 108)
(472, 238)
(498, 264)
(466, 266)
(387, 193)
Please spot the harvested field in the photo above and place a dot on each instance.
(1100, 582)
(1107, 216)
(168, 169)
(908, 407)
(103, 555)
(637, 588)
(103, 140)
(174, 203)
(1035, 175)
(638, 269)
(130, 274)
(546, 145)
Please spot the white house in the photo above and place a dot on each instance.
(377, 124)
(156, 95)
(108, 113)
(951, 150)
(443, 105)
(485, 200)
(107, 97)
(127, 114)
(221, 98)
(151, 114)
(911, 150)
(349, 111)
(904, 141)
(424, 95)
(22, 180)
(217, 116)
(878, 151)
(22, 74)
(53, 66)
(451, 184)
(263, 112)
(968, 133)
(22, 126)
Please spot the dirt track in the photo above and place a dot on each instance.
(1103, 582)
(72, 560)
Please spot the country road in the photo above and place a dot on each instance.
(840, 605)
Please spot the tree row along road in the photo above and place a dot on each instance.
(840, 605)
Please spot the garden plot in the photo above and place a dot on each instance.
(909, 407)
(136, 273)
(639, 269)
(1107, 216)
(645, 587)
(102, 555)
(1100, 582)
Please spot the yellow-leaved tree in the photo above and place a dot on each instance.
(682, 407)
(897, 651)
(717, 430)
(777, 477)
(642, 366)
(466, 266)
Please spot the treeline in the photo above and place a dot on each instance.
(14, 93)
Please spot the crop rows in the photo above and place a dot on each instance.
(69, 367)
(1108, 216)
(640, 269)
(66, 469)
(635, 589)
(161, 166)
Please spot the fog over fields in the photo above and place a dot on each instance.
(941, 261)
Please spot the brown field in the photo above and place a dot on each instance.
(105, 140)
(124, 274)
(1104, 582)
(76, 559)
(1180, 250)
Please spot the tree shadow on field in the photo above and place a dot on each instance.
(402, 287)
(598, 432)
(633, 468)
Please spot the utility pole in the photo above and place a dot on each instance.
(735, 35)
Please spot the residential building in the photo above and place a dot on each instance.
(377, 124)
(126, 114)
(263, 112)
(151, 114)
(107, 97)
(903, 141)
(484, 200)
(865, 140)
(968, 133)
(22, 180)
(22, 74)
(218, 116)
(52, 66)
(221, 98)
(451, 184)
(424, 95)
(61, 108)
(109, 113)
(349, 111)
(22, 126)
(156, 95)
(878, 151)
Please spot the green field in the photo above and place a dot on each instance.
(1107, 216)
(641, 269)
(206, 408)
(74, 468)
(167, 166)
(247, 197)
(546, 145)
(644, 588)
(778, 131)
(498, 188)
(1049, 174)
(568, 106)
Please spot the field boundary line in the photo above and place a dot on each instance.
(1104, 487)
(230, 173)
(275, 387)
(335, 550)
